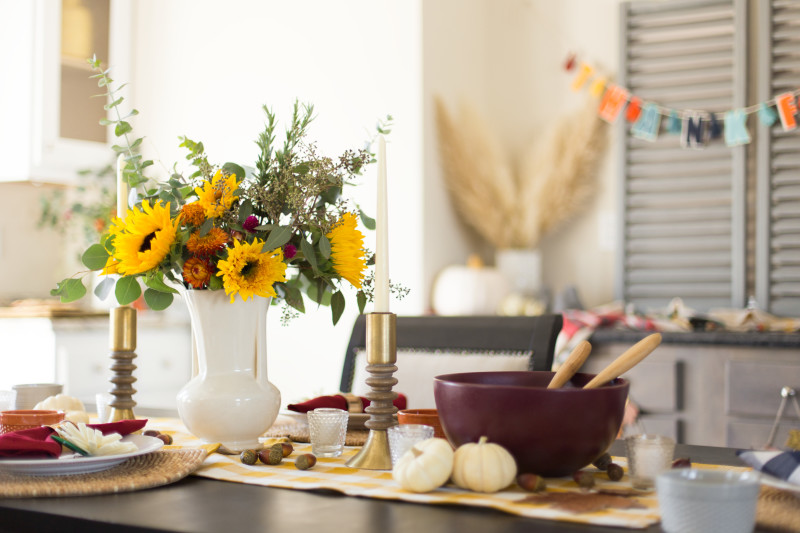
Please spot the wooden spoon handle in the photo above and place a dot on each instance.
(571, 365)
(626, 361)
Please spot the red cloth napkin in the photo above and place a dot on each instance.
(337, 401)
(36, 442)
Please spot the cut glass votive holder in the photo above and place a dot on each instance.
(648, 456)
(403, 436)
(327, 428)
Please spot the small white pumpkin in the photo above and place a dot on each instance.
(61, 402)
(483, 466)
(425, 467)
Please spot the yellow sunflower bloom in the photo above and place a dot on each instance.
(347, 250)
(249, 272)
(216, 196)
(145, 239)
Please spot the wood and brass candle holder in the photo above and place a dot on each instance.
(381, 359)
(122, 343)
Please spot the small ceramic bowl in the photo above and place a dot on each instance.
(27, 419)
(697, 501)
(425, 417)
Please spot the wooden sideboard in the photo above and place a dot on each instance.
(709, 388)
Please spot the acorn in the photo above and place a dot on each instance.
(614, 472)
(248, 457)
(286, 448)
(166, 439)
(682, 462)
(603, 461)
(271, 455)
(585, 480)
(531, 482)
(305, 461)
(151, 433)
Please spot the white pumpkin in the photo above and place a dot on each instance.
(483, 466)
(425, 467)
(470, 289)
(61, 402)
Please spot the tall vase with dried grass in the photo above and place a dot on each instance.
(514, 211)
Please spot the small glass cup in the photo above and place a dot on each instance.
(403, 436)
(648, 456)
(327, 428)
(102, 401)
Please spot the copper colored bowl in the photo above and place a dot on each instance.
(28, 419)
(550, 432)
(428, 417)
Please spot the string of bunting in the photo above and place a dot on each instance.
(696, 128)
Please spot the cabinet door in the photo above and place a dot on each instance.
(48, 115)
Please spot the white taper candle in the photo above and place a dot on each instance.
(382, 236)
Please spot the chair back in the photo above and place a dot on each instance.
(428, 346)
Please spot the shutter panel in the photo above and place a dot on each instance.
(778, 174)
(683, 228)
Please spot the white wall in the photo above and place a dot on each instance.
(204, 69)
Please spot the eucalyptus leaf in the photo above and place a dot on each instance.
(206, 226)
(157, 300)
(113, 104)
(215, 283)
(245, 210)
(122, 128)
(278, 237)
(294, 298)
(69, 290)
(127, 290)
(368, 222)
(157, 283)
(361, 298)
(103, 288)
(95, 257)
(308, 251)
(325, 247)
(233, 168)
(337, 306)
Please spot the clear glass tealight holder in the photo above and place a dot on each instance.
(403, 436)
(327, 428)
(648, 456)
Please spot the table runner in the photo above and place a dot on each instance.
(333, 474)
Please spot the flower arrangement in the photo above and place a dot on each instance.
(281, 229)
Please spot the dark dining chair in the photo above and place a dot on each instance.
(432, 345)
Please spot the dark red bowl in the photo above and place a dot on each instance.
(550, 432)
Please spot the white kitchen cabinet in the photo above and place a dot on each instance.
(74, 351)
(48, 119)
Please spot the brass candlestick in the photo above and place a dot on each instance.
(122, 343)
(381, 359)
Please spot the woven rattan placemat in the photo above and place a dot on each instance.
(142, 472)
(778, 510)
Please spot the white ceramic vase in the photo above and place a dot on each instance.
(522, 268)
(229, 399)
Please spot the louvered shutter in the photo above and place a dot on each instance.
(683, 223)
(778, 161)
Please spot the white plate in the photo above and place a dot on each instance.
(777, 483)
(73, 463)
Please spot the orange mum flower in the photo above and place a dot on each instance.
(193, 214)
(197, 272)
(211, 242)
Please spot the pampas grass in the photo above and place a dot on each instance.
(555, 182)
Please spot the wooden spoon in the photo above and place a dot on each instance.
(571, 365)
(626, 361)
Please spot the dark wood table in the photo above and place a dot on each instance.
(195, 505)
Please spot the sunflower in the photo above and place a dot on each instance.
(347, 250)
(211, 242)
(197, 271)
(249, 272)
(216, 196)
(193, 214)
(145, 239)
